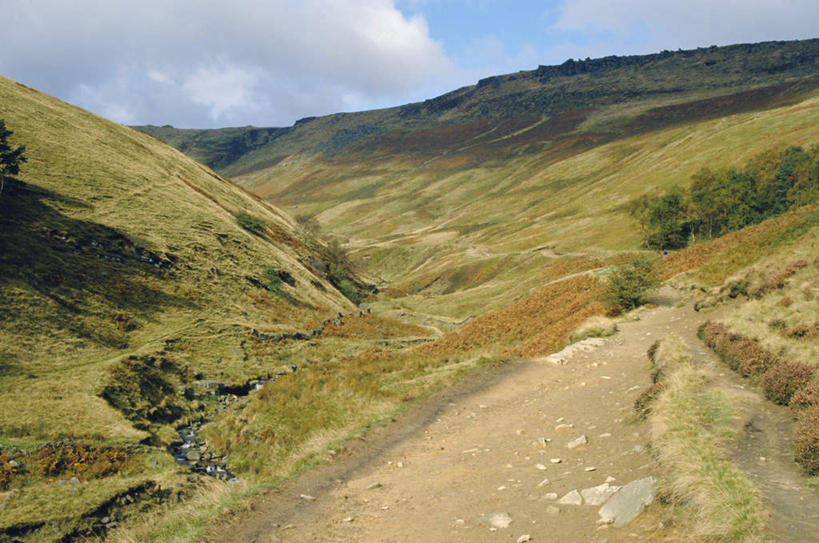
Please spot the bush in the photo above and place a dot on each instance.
(252, 224)
(742, 354)
(630, 284)
(271, 279)
(782, 381)
(806, 440)
(805, 397)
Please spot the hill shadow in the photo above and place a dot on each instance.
(95, 274)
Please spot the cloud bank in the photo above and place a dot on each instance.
(213, 63)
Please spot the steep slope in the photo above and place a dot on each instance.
(124, 274)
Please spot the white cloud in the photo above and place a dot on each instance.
(212, 63)
(641, 26)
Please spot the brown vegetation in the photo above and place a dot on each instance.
(806, 440)
(784, 382)
(538, 325)
(784, 379)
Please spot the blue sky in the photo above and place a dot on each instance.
(211, 63)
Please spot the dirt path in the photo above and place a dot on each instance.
(441, 471)
(763, 452)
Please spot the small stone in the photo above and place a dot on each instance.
(501, 488)
(606, 434)
(563, 427)
(348, 519)
(590, 468)
(555, 460)
(552, 510)
(541, 467)
(550, 496)
(373, 486)
(610, 479)
(572, 498)
(524, 538)
(543, 483)
(307, 497)
(499, 520)
(582, 440)
(460, 521)
(542, 441)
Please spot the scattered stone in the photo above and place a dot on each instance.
(501, 488)
(582, 440)
(561, 419)
(610, 479)
(590, 468)
(572, 498)
(555, 460)
(373, 486)
(541, 467)
(499, 520)
(563, 427)
(598, 495)
(542, 441)
(605, 435)
(472, 450)
(543, 483)
(399, 464)
(348, 519)
(626, 504)
(307, 497)
(550, 496)
(524, 538)
(460, 521)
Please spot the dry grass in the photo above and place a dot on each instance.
(597, 326)
(691, 430)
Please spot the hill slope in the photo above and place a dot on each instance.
(124, 274)
(468, 197)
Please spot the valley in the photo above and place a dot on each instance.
(414, 298)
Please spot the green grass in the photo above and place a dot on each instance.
(692, 430)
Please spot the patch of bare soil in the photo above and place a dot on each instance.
(499, 443)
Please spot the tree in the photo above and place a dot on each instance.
(630, 284)
(10, 158)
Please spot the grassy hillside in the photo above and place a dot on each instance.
(467, 198)
(124, 275)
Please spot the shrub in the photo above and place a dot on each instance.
(271, 279)
(631, 283)
(806, 440)
(782, 381)
(6, 472)
(252, 224)
(805, 397)
(742, 354)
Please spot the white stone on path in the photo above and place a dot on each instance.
(582, 440)
(499, 520)
(524, 538)
(572, 498)
(628, 502)
(597, 495)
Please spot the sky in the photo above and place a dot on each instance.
(216, 63)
